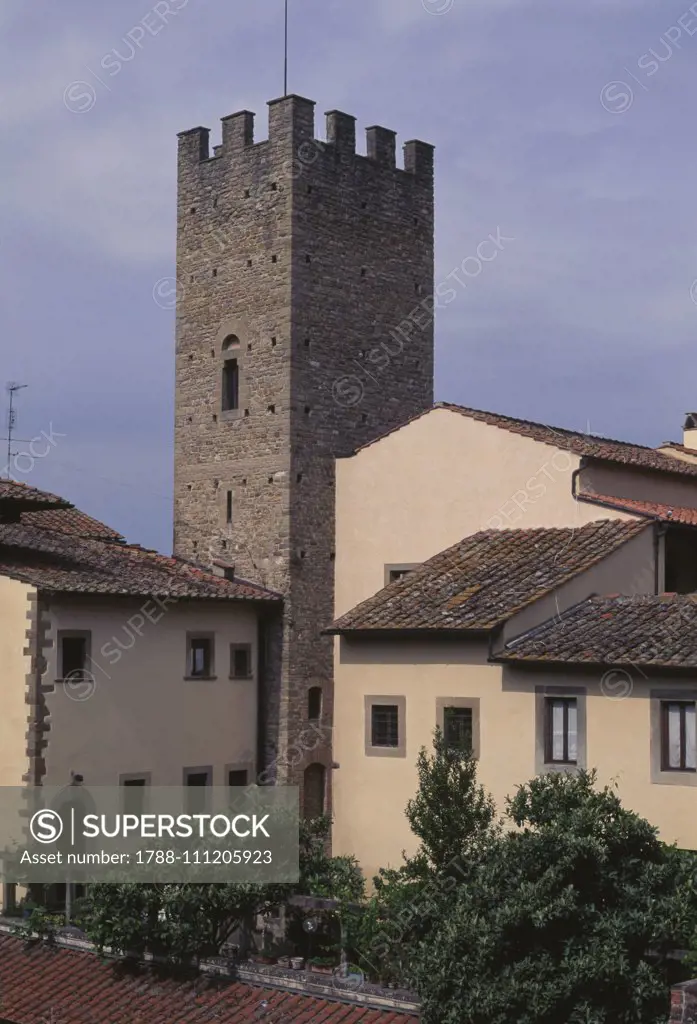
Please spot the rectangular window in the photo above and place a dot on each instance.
(231, 385)
(134, 793)
(240, 661)
(74, 655)
(561, 730)
(384, 726)
(237, 777)
(198, 780)
(228, 508)
(200, 657)
(398, 574)
(457, 728)
(678, 736)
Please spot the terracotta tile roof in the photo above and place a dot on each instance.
(40, 985)
(658, 630)
(14, 491)
(584, 445)
(482, 580)
(72, 521)
(60, 562)
(650, 509)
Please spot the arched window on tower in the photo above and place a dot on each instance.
(231, 373)
(314, 784)
(314, 703)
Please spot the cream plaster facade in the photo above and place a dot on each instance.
(136, 714)
(438, 479)
(371, 792)
(142, 716)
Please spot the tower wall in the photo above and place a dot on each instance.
(320, 261)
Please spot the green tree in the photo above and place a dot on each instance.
(188, 921)
(564, 919)
(453, 816)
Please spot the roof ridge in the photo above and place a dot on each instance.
(471, 411)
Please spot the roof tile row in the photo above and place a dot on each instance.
(484, 579)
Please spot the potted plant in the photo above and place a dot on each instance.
(323, 964)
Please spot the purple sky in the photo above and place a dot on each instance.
(584, 319)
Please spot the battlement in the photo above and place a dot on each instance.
(291, 121)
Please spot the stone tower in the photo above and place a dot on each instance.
(304, 277)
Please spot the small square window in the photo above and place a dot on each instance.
(237, 777)
(74, 655)
(561, 730)
(678, 736)
(384, 725)
(457, 728)
(240, 661)
(200, 657)
(398, 572)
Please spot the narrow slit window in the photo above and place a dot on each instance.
(314, 703)
(228, 507)
(231, 385)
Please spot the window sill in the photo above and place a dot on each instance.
(200, 679)
(561, 766)
(385, 752)
(231, 414)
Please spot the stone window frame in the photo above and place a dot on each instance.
(400, 701)
(473, 703)
(659, 775)
(62, 634)
(542, 693)
(236, 647)
(199, 634)
(391, 567)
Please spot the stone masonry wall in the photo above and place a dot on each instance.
(315, 258)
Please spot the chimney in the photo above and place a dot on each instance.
(689, 436)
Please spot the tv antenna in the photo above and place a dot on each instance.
(285, 53)
(12, 388)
